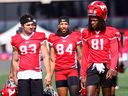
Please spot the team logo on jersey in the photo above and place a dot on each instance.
(27, 42)
(97, 36)
(64, 40)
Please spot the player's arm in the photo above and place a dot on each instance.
(114, 57)
(79, 51)
(14, 64)
(10, 73)
(45, 57)
(84, 63)
(52, 59)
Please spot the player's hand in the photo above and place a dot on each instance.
(109, 74)
(10, 76)
(115, 73)
(15, 79)
(83, 81)
(48, 80)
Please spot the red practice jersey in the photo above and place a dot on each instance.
(120, 45)
(100, 48)
(125, 42)
(29, 50)
(65, 48)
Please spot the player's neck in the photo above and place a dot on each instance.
(97, 32)
(27, 34)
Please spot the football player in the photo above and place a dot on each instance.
(26, 55)
(119, 68)
(19, 30)
(63, 47)
(100, 51)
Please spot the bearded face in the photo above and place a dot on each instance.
(63, 29)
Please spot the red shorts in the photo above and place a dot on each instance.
(64, 74)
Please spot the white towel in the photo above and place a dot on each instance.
(99, 67)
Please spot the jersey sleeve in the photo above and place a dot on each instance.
(84, 61)
(114, 34)
(78, 37)
(14, 40)
(120, 46)
(125, 49)
(114, 47)
(84, 34)
(51, 39)
(41, 37)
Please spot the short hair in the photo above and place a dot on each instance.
(63, 19)
(27, 18)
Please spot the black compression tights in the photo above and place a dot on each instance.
(73, 83)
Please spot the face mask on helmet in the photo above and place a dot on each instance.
(9, 89)
(98, 8)
(49, 91)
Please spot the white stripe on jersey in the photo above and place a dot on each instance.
(29, 74)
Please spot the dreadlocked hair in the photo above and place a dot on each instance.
(100, 27)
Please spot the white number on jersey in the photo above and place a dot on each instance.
(60, 49)
(24, 49)
(96, 42)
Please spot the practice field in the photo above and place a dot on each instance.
(122, 80)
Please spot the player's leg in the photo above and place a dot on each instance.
(113, 91)
(106, 84)
(36, 87)
(62, 87)
(114, 84)
(92, 81)
(97, 91)
(106, 91)
(78, 69)
(73, 83)
(61, 83)
(91, 90)
(24, 87)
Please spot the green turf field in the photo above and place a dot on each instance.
(123, 84)
(4, 77)
(122, 80)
